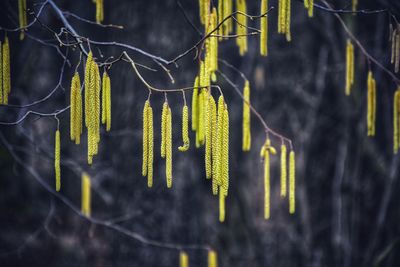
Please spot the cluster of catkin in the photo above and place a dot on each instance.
(284, 18)
(371, 104)
(264, 28)
(23, 19)
(349, 67)
(246, 124)
(85, 196)
(225, 9)
(211, 259)
(395, 40)
(396, 121)
(99, 10)
(309, 5)
(241, 26)
(266, 151)
(5, 77)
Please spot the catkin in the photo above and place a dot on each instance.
(86, 198)
(246, 132)
(108, 103)
(284, 20)
(208, 136)
(265, 154)
(212, 258)
(1, 74)
(183, 259)
(283, 170)
(396, 121)
(292, 182)
(57, 161)
(219, 141)
(99, 11)
(76, 109)
(164, 115)
(225, 153)
(185, 129)
(349, 67)
(168, 148)
(214, 135)
(310, 8)
(241, 26)
(195, 104)
(354, 5)
(6, 70)
(22, 15)
(371, 104)
(264, 29)
(221, 206)
(145, 137)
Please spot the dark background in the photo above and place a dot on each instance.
(347, 183)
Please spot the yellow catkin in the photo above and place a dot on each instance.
(310, 8)
(201, 118)
(288, 20)
(168, 149)
(195, 104)
(1, 74)
(241, 27)
(354, 5)
(108, 103)
(96, 107)
(349, 67)
(225, 153)
(208, 136)
(214, 134)
(185, 129)
(22, 15)
(283, 171)
(292, 182)
(76, 109)
(99, 11)
(219, 140)
(145, 137)
(183, 259)
(264, 29)
(104, 98)
(57, 161)
(212, 259)
(150, 147)
(267, 197)
(221, 206)
(6, 70)
(371, 104)
(246, 126)
(164, 115)
(396, 121)
(86, 195)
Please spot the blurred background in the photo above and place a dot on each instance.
(347, 183)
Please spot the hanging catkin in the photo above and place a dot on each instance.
(354, 5)
(185, 129)
(6, 70)
(397, 50)
(371, 104)
(219, 141)
(208, 136)
(241, 26)
(195, 104)
(292, 182)
(225, 153)
(106, 101)
(283, 170)
(396, 120)
(265, 154)
(57, 161)
(148, 143)
(1, 74)
(264, 29)
(183, 259)
(76, 109)
(349, 67)
(212, 259)
(22, 15)
(86, 198)
(284, 14)
(246, 132)
(168, 149)
(99, 11)
(221, 205)
(164, 116)
(214, 136)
